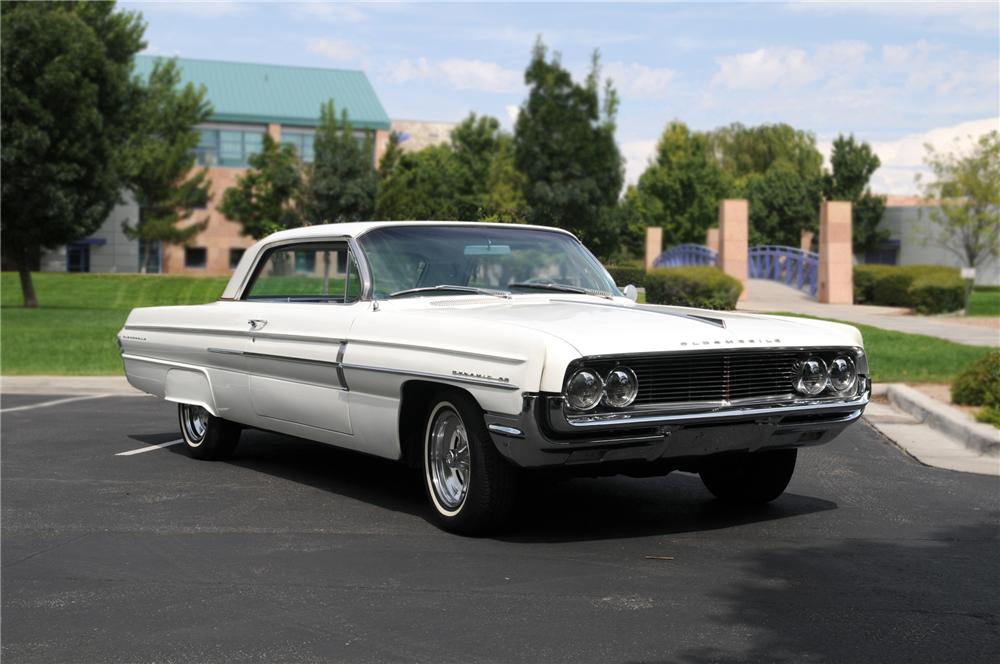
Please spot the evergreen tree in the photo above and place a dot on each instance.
(161, 157)
(852, 166)
(341, 182)
(565, 147)
(265, 196)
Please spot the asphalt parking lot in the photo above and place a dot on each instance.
(296, 552)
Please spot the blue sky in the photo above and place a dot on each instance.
(897, 74)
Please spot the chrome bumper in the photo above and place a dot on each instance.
(542, 436)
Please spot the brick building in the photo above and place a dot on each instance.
(248, 100)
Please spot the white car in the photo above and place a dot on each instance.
(477, 352)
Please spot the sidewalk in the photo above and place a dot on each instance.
(67, 385)
(770, 296)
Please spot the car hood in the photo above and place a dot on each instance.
(603, 327)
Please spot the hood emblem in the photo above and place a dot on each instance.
(729, 342)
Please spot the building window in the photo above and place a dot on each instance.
(228, 147)
(234, 257)
(78, 257)
(301, 140)
(195, 257)
(149, 255)
(885, 253)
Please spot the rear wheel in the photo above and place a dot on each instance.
(207, 436)
(471, 488)
(752, 477)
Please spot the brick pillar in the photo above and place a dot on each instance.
(712, 239)
(734, 233)
(274, 130)
(806, 241)
(654, 244)
(836, 261)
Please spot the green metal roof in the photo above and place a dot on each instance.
(259, 94)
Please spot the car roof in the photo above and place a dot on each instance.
(356, 228)
(351, 229)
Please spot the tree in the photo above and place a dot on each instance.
(161, 156)
(776, 160)
(340, 185)
(67, 106)
(565, 147)
(505, 200)
(743, 150)
(264, 198)
(681, 188)
(782, 203)
(423, 185)
(967, 221)
(852, 165)
(475, 143)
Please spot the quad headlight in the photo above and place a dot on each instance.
(585, 388)
(843, 373)
(813, 376)
(620, 387)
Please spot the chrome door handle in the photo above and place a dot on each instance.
(256, 324)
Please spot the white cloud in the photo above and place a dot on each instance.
(639, 81)
(637, 156)
(903, 158)
(336, 49)
(480, 75)
(978, 16)
(512, 112)
(458, 73)
(766, 68)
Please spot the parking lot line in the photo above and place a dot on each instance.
(54, 402)
(150, 448)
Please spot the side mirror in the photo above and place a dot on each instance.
(631, 292)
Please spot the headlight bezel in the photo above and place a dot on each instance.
(632, 381)
(823, 374)
(568, 394)
(853, 372)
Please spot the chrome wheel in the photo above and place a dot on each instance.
(195, 422)
(448, 461)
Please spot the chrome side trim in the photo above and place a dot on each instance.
(443, 351)
(340, 366)
(503, 430)
(441, 377)
(225, 351)
(177, 329)
(286, 358)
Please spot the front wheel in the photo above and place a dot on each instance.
(751, 477)
(207, 437)
(471, 488)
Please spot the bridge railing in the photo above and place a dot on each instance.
(789, 265)
(687, 254)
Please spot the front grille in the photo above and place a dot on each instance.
(710, 376)
(714, 376)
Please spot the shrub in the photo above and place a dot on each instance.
(937, 292)
(703, 287)
(979, 384)
(926, 288)
(624, 275)
(989, 415)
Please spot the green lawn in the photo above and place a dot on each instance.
(73, 330)
(984, 301)
(898, 357)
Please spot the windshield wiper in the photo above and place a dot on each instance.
(562, 288)
(449, 287)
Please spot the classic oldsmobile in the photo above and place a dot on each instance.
(477, 351)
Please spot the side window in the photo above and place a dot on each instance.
(313, 272)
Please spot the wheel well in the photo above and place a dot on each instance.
(416, 400)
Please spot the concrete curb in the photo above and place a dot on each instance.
(68, 385)
(976, 436)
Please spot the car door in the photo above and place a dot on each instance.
(303, 296)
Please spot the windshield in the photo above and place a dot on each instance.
(513, 259)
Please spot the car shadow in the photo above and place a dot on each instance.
(929, 598)
(570, 510)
